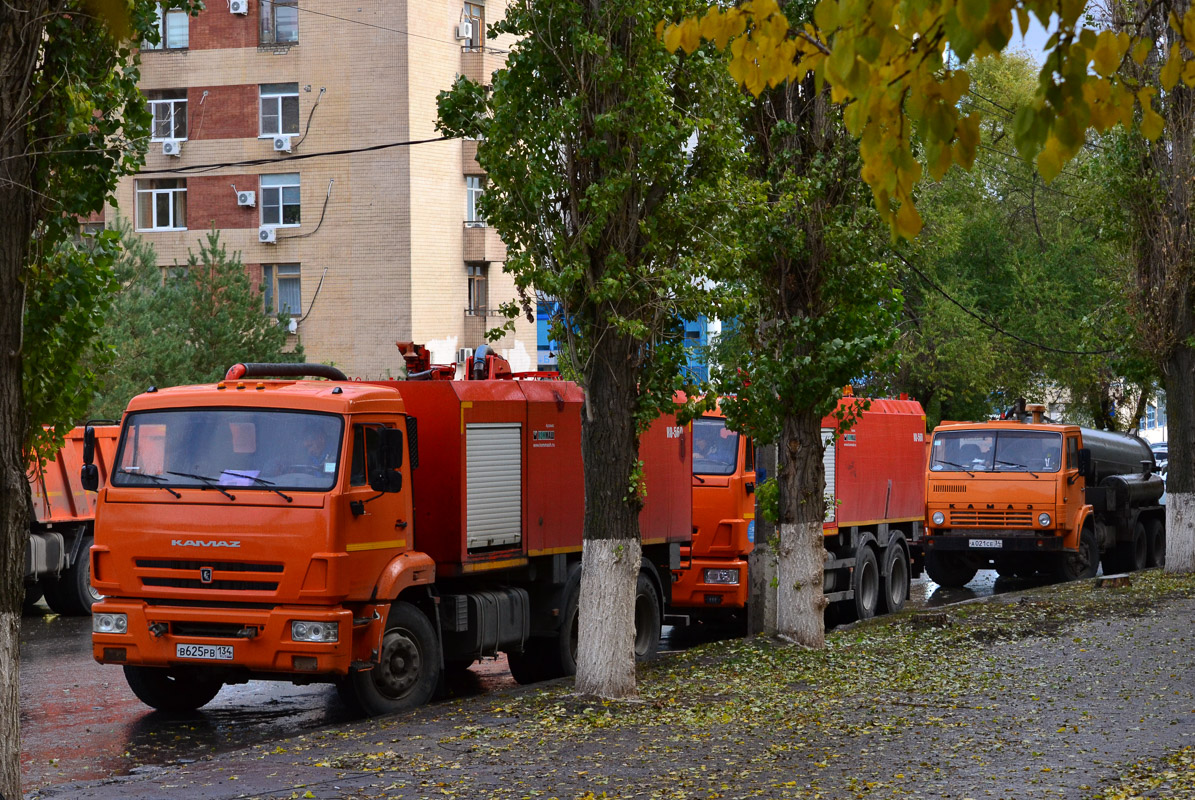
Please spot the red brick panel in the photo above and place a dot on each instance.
(228, 112)
(217, 28)
(254, 273)
(211, 201)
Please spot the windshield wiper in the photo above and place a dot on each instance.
(209, 483)
(1018, 466)
(157, 479)
(960, 466)
(260, 482)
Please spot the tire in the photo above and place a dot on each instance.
(1083, 564)
(408, 668)
(71, 593)
(647, 619)
(1129, 556)
(1155, 537)
(530, 666)
(896, 578)
(953, 570)
(867, 583)
(175, 691)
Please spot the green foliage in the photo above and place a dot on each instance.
(185, 324)
(607, 163)
(767, 500)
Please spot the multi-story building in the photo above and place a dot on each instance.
(298, 129)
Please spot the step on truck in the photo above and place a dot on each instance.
(377, 535)
(57, 562)
(874, 513)
(1026, 496)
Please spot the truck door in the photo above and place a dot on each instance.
(376, 525)
(1072, 489)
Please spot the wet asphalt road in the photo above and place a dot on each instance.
(80, 721)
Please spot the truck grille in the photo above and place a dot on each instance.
(223, 566)
(195, 583)
(992, 519)
(179, 574)
(949, 488)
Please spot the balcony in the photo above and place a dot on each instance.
(482, 243)
(473, 332)
(469, 165)
(479, 63)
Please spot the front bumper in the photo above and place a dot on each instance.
(691, 591)
(271, 649)
(980, 542)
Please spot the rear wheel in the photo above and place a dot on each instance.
(952, 570)
(71, 593)
(408, 668)
(866, 582)
(174, 691)
(1084, 563)
(547, 657)
(896, 578)
(647, 619)
(1155, 535)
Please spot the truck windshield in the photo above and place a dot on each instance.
(997, 451)
(715, 449)
(256, 450)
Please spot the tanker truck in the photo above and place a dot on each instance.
(287, 523)
(1026, 496)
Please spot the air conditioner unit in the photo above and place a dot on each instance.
(247, 199)
(465, 29)
(281, 144)
(172, 147)
(464, 354)
(267, 234)
(292, 325)
(475, 223)
(238, 6)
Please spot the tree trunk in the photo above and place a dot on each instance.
(20, 39)
(1180, 479)
(801, 553)
(610, 558)
(761, 563)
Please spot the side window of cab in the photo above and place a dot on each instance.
(366, 454)
(1072, 452)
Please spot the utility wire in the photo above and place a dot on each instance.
(993, 325)
(383, 27)
(302, 156)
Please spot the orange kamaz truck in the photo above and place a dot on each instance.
(370, 534)
(874, 512)
(60, 531)
(1026, 496)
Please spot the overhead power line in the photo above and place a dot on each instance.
(994, 326)
(255, 162)
(379, 27)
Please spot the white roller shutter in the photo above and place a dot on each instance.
(493, 484)
(828, 463)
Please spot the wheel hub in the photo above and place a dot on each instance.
(400, 664)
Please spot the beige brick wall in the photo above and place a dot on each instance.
(389, 250)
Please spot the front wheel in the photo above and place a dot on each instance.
(1082, 564)
(174, 691)
(647, 619)
(71, 593)
(953, 570)
(1155, 534)
(408, 668)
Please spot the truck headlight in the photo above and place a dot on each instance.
(938, 518)
(722, 576)
(309, 631)
(1043, 519)
(110, 623)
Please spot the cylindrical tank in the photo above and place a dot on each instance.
(1115, 454)
(1134, 490)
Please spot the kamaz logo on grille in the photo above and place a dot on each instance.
(205, 574)
(203, 543)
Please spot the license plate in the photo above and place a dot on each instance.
(210, 652)
(996, 543)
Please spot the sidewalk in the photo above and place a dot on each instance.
(1056, 692)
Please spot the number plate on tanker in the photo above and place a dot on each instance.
(987, 543)
(211, 652)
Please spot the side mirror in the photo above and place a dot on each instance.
(388, 478)
(89, 445)
(1085, 468)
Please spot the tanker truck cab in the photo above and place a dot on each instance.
(255, 529)
(1025, 497)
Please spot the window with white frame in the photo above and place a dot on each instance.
(174, 30)
(279, 108)
(1151, 419)
(475, 274)
(280, 284)
(475, 14)
(280, 199)
(169, 110)
(162, 204)
(474, 189)
(279, 21)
